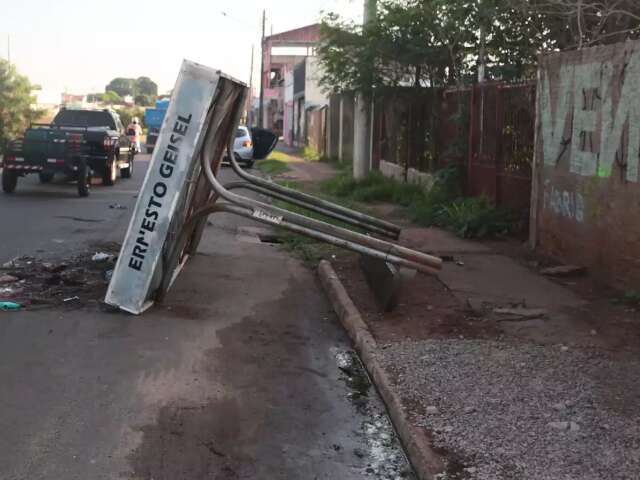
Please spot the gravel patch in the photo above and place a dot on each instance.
(523, 411)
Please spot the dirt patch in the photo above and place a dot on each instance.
(426, 308)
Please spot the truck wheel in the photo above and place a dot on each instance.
(9, 181)
(45, 177)
(110, 173)
(84, 180)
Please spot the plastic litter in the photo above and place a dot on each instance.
(117, 206)
(102, 257)
(10, 306)
(71, 299)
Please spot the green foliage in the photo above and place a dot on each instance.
(374, 188)
(127, 113)
(146, 86)
(131, 86)
(431, 43)
(272, 166)
(15, 103)
(145, 100)
(95, 97)
(111, 98)
(476, 218)
(311, 153)
(121, 86)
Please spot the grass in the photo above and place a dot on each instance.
(276, 163)
(441, 205)
(311, 251)
(272, 166)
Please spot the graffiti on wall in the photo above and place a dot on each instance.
(593, 112)
(564, 203)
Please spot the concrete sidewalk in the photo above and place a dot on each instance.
(482, 278)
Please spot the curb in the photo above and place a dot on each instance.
(424, 459)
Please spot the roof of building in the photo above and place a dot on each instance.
(303, 35)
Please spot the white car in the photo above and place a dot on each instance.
(252, 144)
(243, 147)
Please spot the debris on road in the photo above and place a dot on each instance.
(564, 271)
(117, 206)
(7, 306)
(521, 313)
(103, 257)
(73, 281)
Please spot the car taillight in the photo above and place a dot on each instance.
(108, 143)
(247, 143)
(9, 158)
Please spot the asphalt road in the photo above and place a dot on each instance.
(52, 219)
(243, 373)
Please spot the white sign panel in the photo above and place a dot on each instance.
(167, 178)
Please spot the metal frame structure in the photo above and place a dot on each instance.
(206, 195)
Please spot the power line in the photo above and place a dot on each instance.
(241, 22)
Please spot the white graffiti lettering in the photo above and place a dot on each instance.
(618, 109)
(564, 203)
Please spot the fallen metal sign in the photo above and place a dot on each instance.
(181, 190)
(169, 188)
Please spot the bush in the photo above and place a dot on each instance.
(374, 188)
(477, 218)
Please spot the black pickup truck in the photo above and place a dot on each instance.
(79, 143)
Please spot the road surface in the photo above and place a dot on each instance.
(243, 373)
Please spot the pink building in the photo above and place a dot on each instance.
(282, 52)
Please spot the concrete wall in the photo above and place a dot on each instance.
(586, 195)
(397, 172)
(313, 93)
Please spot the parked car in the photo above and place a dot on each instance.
(252, 145)
(79, 143)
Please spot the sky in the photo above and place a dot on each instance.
(78, 46)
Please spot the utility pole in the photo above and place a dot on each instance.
(250, 96)
(362, 117)
(261, 107)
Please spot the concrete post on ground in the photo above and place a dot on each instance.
(362, 115)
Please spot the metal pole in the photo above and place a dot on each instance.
(261, 107)
(250, 105)
(278, 215)
(362, 117)
(393, 230)
(314, 208)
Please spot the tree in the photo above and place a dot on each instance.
(144, 100)
(121, 86)
(110, 97)
(15, 103)
(430, 43)
(584, 23)
(444, 42)
(146, 86)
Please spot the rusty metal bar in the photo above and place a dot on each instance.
(313, 208)
(248, 212)
(276, 216)
(364, 219)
